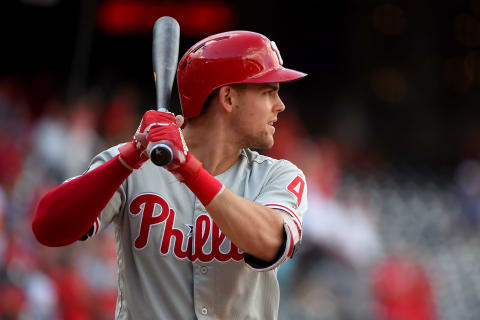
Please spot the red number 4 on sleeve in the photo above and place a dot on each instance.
(296, 187)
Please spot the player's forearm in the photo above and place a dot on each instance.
(254, 228)
(68, 211)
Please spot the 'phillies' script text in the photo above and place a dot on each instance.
(203, 230)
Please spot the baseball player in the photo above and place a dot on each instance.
(201, 238)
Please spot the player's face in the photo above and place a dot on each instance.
(257, 111)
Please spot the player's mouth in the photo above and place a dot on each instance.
(271, 124)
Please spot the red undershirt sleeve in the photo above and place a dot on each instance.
(68, 211)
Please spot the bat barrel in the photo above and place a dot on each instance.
(166, 40)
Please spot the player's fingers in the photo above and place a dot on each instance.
(180, 120)
(142, 138)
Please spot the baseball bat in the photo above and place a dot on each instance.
(166, 40)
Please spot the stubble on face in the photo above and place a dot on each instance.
(249, 136)
(260, 140)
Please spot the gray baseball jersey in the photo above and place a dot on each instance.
(175, 263)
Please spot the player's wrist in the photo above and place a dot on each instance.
(125, 164)
(131, 156)
(205, 186)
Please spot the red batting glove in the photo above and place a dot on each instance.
(185, 166)
(134, 154)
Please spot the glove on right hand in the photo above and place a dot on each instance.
(133, 154)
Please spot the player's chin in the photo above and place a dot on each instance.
(266, 143)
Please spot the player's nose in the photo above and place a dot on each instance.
(279, 105)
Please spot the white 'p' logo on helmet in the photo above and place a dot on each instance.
(275, 48)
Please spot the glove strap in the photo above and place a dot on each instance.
(205, 186)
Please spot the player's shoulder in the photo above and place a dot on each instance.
(110, 152)
(104, 156)
(256, 159)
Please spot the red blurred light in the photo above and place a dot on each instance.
(196, 19)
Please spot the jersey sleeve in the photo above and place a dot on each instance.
(285, 190)
(115, 204)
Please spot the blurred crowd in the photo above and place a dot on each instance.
(378, 242)
(44, 142)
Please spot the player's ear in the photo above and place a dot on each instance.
(227, 96)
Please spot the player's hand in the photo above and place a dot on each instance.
(134, 153)
(142, 137)
(169, 132)
(164, 127)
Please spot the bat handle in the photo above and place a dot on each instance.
(161, 153)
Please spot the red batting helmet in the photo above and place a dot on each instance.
(228, 58)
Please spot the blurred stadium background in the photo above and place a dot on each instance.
(386, 128)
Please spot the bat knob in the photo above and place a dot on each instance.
(161, 154)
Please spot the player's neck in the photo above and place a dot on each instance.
(212, 146)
